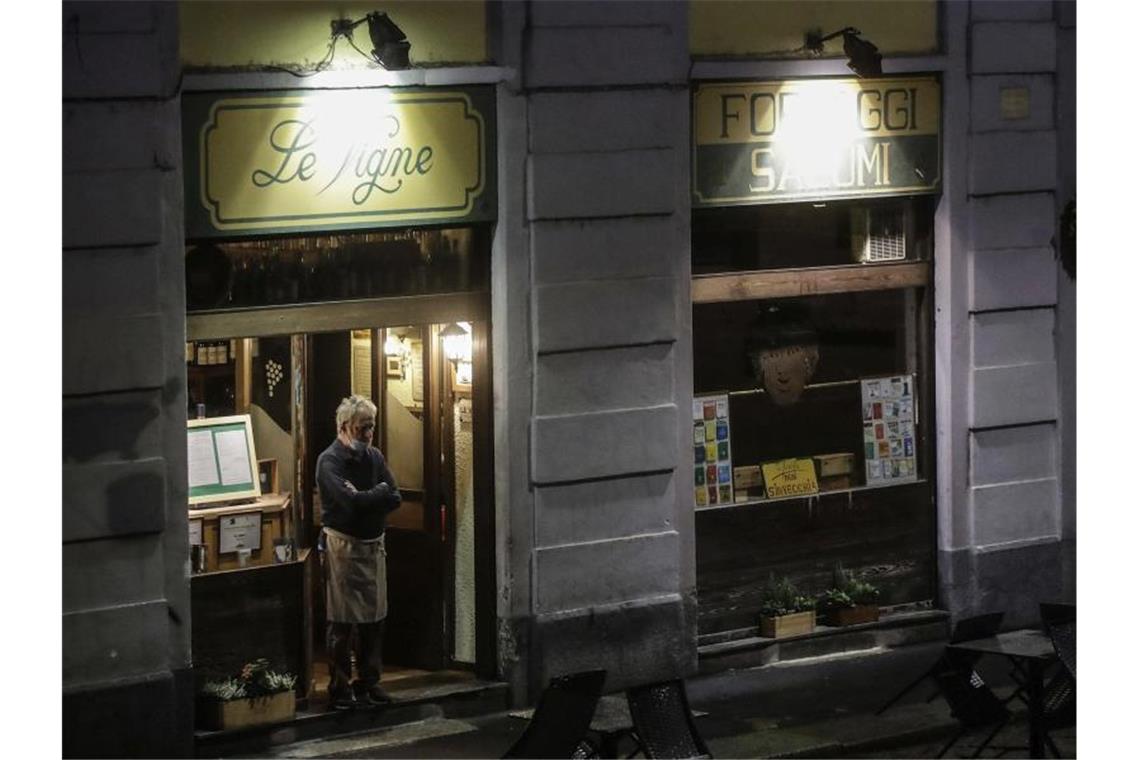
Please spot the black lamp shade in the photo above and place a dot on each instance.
(389, 43)
(863, 57)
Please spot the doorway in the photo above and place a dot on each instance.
(294, 356)
(422, 379)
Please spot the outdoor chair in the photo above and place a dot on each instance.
(562, 718)
(977, 627)
(972, 703)
(1060, 697)
(663, 723)
(1060, 621)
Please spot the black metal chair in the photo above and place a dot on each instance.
(976, 627)
(562, 718)
(972, 703)
(1060, 697)
(663, 723)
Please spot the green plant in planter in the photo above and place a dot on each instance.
(781, 597)
(255, 680)
(847, 591)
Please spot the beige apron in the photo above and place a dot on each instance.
(356, 578)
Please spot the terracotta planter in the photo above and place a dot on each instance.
(860, 613)
(253, 711)
(787, 625)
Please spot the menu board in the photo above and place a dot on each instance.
(712, 454)
(889, 442)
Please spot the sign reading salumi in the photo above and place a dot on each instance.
(774, 142)
(336, 159)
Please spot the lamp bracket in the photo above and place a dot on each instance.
(814, 39)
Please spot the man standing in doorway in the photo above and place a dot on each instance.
(357, 493)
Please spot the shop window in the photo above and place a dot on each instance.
(812, 399)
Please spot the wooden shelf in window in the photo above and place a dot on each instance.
(786, 283)
(784, 499)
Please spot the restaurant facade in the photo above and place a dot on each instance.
(659, 303)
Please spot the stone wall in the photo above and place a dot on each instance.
(126, 611)
(1004, 549)
(606, 223)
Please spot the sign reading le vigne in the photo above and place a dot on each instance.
(774, 142)
(331, 159)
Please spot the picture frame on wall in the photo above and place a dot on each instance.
(394, 366)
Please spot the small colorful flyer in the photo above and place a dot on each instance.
(712, 453)
(888, 429)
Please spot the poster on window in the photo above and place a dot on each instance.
(889, 442)
(712, 455)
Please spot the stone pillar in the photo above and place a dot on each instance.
(609, 552)
(127, 689)
(1001, 547)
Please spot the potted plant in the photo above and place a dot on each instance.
(784, 611)
(256, 695)
(850, 601)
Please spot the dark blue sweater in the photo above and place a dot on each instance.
(362, 514)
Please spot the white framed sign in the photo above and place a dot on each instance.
(241, 531)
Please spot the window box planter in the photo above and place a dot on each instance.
(860, 613)
(787, 625)
(227, 715)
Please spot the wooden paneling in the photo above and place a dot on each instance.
(786, 283)
(885, 533)
(337, 316)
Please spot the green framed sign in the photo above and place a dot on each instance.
(291, 161)
(817, 139)
(221, 462)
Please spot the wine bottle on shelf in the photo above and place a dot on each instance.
(223, 352)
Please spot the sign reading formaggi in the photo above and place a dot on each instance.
(336, 159)
(773, 142)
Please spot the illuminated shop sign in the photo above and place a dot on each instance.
(336, 159)
(773, 142)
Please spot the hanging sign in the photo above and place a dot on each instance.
(774, 142)
(336, 159)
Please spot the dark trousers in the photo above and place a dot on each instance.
(369, 637)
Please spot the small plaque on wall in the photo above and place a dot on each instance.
(239, 532)
(195, 532)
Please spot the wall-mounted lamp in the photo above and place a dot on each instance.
(863, 57)
(395, 346)
(457, 348)
(456, 343)
(390, 45)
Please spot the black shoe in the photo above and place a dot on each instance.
(342, 700)
(376, 696)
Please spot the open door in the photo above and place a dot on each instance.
(410, 410)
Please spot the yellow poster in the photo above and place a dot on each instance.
(790, 477)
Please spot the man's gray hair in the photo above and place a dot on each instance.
(353, 408)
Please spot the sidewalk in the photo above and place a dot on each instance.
(822, 707)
